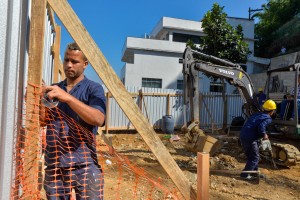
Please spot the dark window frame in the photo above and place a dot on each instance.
(152, 82)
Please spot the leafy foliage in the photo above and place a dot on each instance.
(275, 14)
(221, 39)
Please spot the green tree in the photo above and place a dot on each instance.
(274, 15)
(221, 39)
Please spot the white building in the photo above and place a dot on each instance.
(153, 61)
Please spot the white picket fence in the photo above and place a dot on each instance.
(156, 103)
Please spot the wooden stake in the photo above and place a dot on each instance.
(203, 176)
(168, 105)
(119, 92)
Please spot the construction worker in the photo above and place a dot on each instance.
(287, 105)
(293, 89)
(70, 154)
(261, 96)
(253, 130)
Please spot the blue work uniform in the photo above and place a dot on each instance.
(70, 154)
(253, 130)
(261, 98)
(293, 92)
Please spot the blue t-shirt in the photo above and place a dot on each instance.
(70, 140)
(261, 98)
(255, 127)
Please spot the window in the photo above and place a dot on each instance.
(180, 84)
(216, 87)
(151, 82)
(178, 37)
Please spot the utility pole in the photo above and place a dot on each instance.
(251, 11)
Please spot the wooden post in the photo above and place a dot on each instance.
(203, 176)
(168, 105)
(119, 92)
(141, 103)
(225, 105)
(141, 99)
(107, 112)
(35, 63)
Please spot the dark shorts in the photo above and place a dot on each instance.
(87, 181)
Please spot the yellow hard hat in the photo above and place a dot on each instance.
(269, 105)
(260, 90)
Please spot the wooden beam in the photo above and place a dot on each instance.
(51, 15)
(35, 63)
(119, 92)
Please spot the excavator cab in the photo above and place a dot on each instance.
(282, 84)
(282, 87)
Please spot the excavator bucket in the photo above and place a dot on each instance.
(206, 144)
(197, 141)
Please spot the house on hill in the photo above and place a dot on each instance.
(153, 61)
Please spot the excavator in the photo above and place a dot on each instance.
(197, 141)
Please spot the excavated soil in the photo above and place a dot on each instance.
(225, 165)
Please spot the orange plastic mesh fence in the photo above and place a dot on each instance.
(44, 153)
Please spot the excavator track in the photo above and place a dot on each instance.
(285, 154)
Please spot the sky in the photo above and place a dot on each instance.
(109, 22)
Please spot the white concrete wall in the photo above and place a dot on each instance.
(153, 58)
(150, 64)
(13, 13)
(176, 24)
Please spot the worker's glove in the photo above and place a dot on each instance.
(265, 145)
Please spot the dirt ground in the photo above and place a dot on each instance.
(283, 183)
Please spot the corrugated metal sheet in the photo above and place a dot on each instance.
(155, 107)
(48, 56)
(10, 58)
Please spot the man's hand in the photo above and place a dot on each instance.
(87, 113)
(58, 93)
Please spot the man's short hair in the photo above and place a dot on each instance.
(74, 46)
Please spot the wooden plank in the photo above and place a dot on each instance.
(35, 63)
(58, 67)
(51, 15)
(119, 92)
(203, 176)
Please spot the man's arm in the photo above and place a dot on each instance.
(262, 129)
(87, 113)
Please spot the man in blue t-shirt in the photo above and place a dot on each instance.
(253, 130)
(70, 155)
(298, 89)
(261, 97)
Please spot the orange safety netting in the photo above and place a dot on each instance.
(103, 172)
